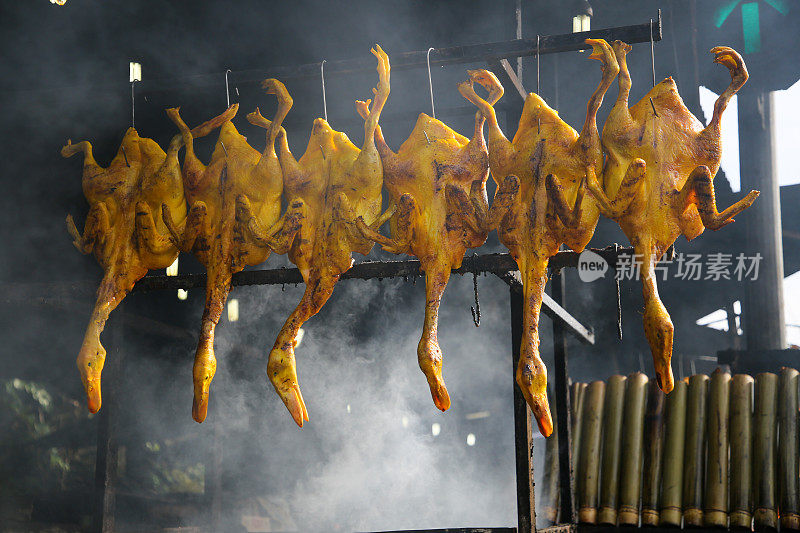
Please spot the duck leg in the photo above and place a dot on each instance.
(658, 327)
(699, 190)
(95, 230)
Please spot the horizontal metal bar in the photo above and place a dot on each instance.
(551, 308)
(478, 264)
(475, 53)
(48, 292)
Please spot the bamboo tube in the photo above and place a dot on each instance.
(653, 446)
(741, 515)
(631, 464)
(764, 515)
(589, 467)
(549, 495)
(576, 407)
(693, 453)
(612, 432)
(674, 443)
(787, 448)
(715, 500)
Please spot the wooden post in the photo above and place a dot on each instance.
(576, 404)
(741, 506)
(523, 435)
(105, 472)
(612, 437)
(715, 513)
(762, 312)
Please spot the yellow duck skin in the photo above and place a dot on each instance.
(659, 171)
(540, 204)
(232, 200)
(124, 229)
(434, 178)
(331, 185)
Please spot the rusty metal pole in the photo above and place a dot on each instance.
(523, 432)
(566, 478)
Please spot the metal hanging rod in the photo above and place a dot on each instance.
(475, 53)
(499, 263)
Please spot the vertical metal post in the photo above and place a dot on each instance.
(105, 472)
(214, 477)
(762, 312)
(523, 432)
(566, 477)
(518, 18)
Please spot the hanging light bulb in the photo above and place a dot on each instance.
(436, 428)
(172, 270)
(182, 294)
(582, 19)
(471, 439)
(58, 2)
(233, 310)
(135, 71)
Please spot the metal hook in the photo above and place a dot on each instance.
(223, 147)
(652, 53)
(653, 68)
(619, 299)
(538, 90)
(476, 311)
(430, 80)
(322, 152)
(425, 133)
(133, 105)
(227, 90)
(125, 155)
(324, 99)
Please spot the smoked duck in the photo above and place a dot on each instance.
(233, 220)
(327, 189)
(434, 178)
(659, 170)
(540, 204)
(124, 229)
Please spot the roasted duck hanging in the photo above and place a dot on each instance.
(434, 179)
(124, 229)
(540, 204)
(660, 166)
(328, 188)
(231, 200)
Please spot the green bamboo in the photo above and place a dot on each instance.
(741, 506)
(715, 502)
(693, 453)
(653, 446)
(589, 467)
(632, 436)
(787, 448)
(764, 418)
(549, 494)
(612, 432)
(674, 444)
(576, 407)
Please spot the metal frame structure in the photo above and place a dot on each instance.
(496, 55)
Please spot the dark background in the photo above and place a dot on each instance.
(64, 75)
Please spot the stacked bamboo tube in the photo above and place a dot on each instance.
(716, 452)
